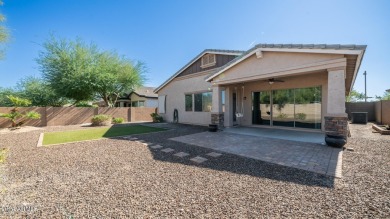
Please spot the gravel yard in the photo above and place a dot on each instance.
(125, 178)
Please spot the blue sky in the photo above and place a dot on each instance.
(167, 34)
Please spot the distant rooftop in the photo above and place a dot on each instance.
(145, 91)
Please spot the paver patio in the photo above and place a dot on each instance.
(312, 157)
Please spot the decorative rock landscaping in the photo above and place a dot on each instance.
(120, 178)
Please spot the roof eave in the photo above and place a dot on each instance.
(254, 50)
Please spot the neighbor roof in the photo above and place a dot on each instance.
(213, 51)
(145, 92)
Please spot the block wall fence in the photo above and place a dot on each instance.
(378, 111)
(57, 116)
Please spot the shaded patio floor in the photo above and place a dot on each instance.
(292, 135)
(302, 150)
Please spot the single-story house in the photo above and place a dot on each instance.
(297, 86)
(140, 97)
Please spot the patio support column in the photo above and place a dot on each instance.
(336, 120)
(228, 115)
(216, 112)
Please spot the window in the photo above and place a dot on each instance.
(223, 100)
(139, 103)
(161, 103)
(203, 102)
(188, 102)
(208, 60)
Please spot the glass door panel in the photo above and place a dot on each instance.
(283, 108)
(261, 108)
(308, 107)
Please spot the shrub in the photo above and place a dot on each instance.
(118, 120)
(156, 117)
(101, 120)
(15, 114)
(282, 116)
(300, 116)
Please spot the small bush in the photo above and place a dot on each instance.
(282, 116)
(101, 120)
(118, 120)
(300, 116)
(32, 115)
(156, 117)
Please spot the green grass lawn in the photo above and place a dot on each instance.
(95, 133)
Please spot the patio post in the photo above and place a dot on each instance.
(336, 119)
(217, 116)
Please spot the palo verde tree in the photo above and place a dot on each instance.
(82, 72)
(355, 96)
(68, 67)
(114, 75)
(39, 92)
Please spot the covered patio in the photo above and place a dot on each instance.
(281, 86)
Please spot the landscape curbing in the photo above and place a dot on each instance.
(40, 140)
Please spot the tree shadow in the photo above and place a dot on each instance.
(227, 162)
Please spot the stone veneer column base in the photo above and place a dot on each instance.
(217, 119)
(336, 130)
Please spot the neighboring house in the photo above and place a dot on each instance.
(141, 97)
(280, 85)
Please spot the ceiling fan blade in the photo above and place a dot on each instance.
(275, 80)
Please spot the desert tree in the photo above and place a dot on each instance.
(82, 72)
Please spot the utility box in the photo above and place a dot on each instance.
(359, 117)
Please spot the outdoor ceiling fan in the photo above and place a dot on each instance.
(273, 80)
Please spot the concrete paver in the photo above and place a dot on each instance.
(314, 157)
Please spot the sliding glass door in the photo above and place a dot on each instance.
(300, 107)
(283, 108)
(308, 107)
(261, 109)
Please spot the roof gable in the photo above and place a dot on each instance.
(303, 48)
(192, 63)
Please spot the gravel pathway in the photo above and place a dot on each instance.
(127, 178)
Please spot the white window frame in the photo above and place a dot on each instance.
(208, 60)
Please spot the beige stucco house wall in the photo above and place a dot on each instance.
(175, 98)
(331, 67)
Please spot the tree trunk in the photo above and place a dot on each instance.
(105, 98)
